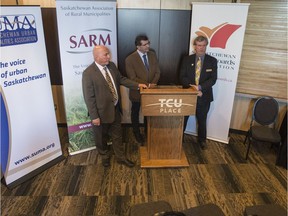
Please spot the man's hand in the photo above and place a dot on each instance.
(195, 87)
(96, 122)
(152, 85)
(140, 85)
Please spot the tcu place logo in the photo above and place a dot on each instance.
(170, 105)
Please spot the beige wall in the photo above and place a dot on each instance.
(242, 111)
(166, 4)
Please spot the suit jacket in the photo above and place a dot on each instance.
(96, 92)
(136, 71)
(208, 75)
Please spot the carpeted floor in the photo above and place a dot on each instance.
(80, 185)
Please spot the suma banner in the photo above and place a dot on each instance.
(29, 133)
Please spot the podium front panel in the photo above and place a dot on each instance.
(165, 137)
(165, 108)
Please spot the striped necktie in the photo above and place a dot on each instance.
(198, 71)
(110, 84)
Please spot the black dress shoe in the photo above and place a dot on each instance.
(126, 162)
(106, 162)
(203, 145)
(139, 138)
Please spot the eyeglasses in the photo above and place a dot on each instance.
(146, 44)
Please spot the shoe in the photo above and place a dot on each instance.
(106, 162)
(203, 145)
(126, 162)
(139, 138)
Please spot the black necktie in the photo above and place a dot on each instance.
(146, 66)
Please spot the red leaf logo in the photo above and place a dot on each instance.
(219, 35)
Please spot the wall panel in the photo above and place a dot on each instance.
(174, 43)
(263, 68)
(130, 23)
(52, 45)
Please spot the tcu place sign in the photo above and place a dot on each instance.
(168, 101)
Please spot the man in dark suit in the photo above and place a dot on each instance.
(101, 90)
(141, 66)
(199, 71)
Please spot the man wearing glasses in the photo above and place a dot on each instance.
(141, 66)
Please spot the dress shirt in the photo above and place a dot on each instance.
(141, 55)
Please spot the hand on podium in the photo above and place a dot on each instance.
(152, 85)
(196, 88)
(141, 86)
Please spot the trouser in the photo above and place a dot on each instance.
(135, 109)
(114, 131)
(202, 110)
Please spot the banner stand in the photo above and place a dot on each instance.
(33, 173)
(225, 32)
(96, 25)
(30, 141)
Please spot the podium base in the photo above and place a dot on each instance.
(159, 163)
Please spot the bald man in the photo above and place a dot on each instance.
(101, 90)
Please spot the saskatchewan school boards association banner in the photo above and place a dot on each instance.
(81, 26)
(225, 30)
(29, 134)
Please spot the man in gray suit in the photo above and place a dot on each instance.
(101, 90)
(141, 66)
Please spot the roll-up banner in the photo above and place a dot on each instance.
(81, 26)
(224, 25)
(29, 134)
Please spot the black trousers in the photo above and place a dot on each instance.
(202, 110)
(135, 109)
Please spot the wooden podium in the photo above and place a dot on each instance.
(165, 108)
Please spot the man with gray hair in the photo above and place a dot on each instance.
(199, 71)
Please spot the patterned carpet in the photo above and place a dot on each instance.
(80, 185)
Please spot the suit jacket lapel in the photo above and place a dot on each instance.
(194, 64)
(203, 66)
(99, 74)
(112, 74)
(140, 61)
(101, 77)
